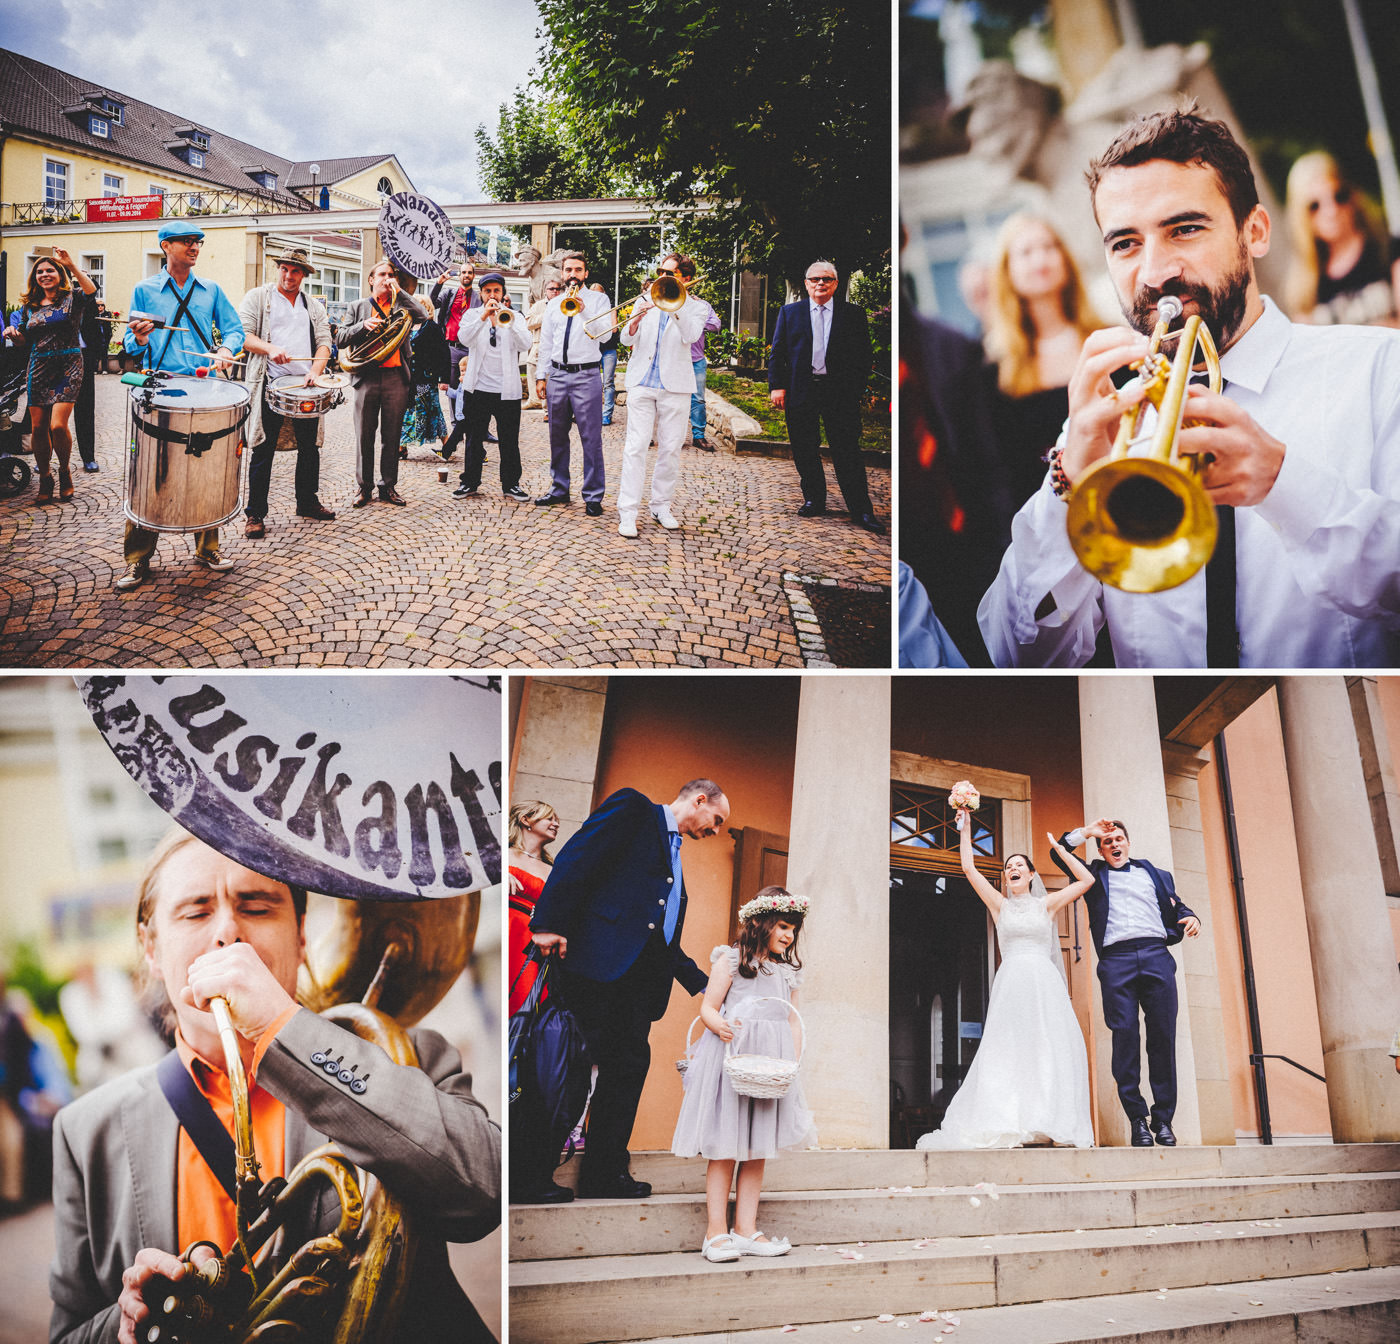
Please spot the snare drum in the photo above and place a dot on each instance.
(185, 454)
(289, 396)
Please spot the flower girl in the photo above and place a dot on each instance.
(715, 1121)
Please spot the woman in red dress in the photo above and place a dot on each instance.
(533, 825)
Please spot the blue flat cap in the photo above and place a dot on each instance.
(175, 228)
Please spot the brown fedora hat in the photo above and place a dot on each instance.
(295, 256)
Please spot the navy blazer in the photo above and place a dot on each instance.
(848, 356)
(1170, 905)
(607, 893)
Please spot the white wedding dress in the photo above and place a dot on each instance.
(1030, 1080)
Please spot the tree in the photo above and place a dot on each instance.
(537, 156)
(779, 111)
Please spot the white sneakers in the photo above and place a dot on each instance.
(721, 1249)
(627, 526)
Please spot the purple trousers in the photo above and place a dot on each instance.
(576, 398)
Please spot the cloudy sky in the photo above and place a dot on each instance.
(318, 79)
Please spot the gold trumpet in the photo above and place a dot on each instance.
(665, 292)
(1145, 523)
(571, 305)
(346, 1286)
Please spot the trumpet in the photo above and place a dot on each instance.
(571, 305)
(504, 316)
(665, 292)
(1145, 523)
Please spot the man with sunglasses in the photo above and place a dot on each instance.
(194, 312)
(613, 910)
(660, 383)
(817, 375)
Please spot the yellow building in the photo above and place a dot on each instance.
(94, 171)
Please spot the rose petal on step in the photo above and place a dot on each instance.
(885, 1318)
(974, 1201)
(1254, 1303)
(789, 1329)
(927, 1316)
(1329, 1290)
(924, 1244)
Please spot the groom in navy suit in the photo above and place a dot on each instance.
(816, 376)
(1134, 916)
(613, 908)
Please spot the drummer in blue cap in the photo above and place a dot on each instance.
(208, 325)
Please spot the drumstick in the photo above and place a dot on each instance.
(208, 354)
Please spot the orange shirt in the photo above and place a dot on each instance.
(392, 362)
(203, 1212)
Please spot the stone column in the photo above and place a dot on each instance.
(839, 856)
(1182, 766)
(1353, 949)
(1378, 766)
(542, 238)
(1121, 756)
(556, 753)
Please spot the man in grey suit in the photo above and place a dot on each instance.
(129, 1188)
(382, 390)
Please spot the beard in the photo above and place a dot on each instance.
(1222, 309)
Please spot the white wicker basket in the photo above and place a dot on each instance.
(683, 1064)
(762, 1075)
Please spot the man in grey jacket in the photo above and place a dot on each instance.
(383, 389)
(130, 1187)
(287, 334)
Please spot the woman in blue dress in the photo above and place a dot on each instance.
(47, 322)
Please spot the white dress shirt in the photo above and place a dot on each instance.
(821, 333)
(583, 348)
(493, 368)
(289, 326)
(1318, 560)
(1133, 910)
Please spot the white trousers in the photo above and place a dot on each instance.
(669, 414)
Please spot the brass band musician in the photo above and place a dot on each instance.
(130, 1182)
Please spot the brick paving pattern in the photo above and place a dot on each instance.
(483, 582)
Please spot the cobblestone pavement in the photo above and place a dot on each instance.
(441, 583)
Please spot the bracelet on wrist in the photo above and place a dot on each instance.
(1059, 482)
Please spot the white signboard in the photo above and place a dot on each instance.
(417, 235)
(381, 788)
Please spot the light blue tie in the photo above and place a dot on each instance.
(673, 903)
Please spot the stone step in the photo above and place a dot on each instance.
(677, 1222)
(875, 1169)
(1358, 1307)
(648, 1296)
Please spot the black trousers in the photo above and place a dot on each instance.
(615, 1019)
(837, 408)
(481, 406)
(84, 412)
(1140, 975)
(308, 473)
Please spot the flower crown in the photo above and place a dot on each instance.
(786, 904)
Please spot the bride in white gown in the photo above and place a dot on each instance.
(1029, 1083)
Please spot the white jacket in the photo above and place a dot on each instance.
(474, 336)
(676, 368)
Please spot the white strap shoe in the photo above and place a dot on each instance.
(752, 1245)
(627, 527)
(721, 1249)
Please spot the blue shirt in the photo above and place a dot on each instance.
(176, 351)
(653, 378)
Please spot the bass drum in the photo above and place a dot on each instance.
(185, 454)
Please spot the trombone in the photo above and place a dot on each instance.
(1145, 523)
(666, 292)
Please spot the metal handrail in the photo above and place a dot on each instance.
(1258, 1059)
(174, 205)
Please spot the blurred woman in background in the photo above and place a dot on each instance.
(1341, 268)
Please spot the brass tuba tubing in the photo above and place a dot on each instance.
(1144, 523)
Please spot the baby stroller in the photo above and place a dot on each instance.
(15, 472)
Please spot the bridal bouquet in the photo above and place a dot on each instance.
(963, 794)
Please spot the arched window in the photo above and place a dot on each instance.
(384, 187)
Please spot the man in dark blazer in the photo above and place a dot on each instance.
(1134, 916)
(816, 376)
(614, 910)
